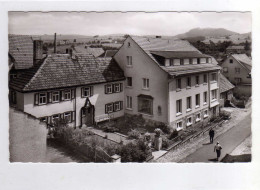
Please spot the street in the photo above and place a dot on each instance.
(229, 141)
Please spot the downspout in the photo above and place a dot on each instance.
(75, 107)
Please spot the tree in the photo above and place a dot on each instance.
(247, 46)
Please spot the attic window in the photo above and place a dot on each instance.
(129, 45)
(18, 49)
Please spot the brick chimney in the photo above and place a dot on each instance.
(55, 43)
(37, 51)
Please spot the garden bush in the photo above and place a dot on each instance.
(165, 142)
(174, 134)
(164, 127)
(134, 134)
(225, 114)
(110, 129)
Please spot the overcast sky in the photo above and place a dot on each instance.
(136, 23)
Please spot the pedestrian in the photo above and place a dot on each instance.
(218, 148)
(211, 135)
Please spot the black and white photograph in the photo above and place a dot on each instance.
(120, 87)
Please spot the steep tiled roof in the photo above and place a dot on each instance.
(21, 50)
(224, 84)
(243, 59)
(179, 54)
(58, 71)
(189, 69)
(93, 51)
(108, 53)
(150, 45)
(236, 47)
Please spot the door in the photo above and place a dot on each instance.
(87, 116)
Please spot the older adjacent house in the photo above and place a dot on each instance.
(226, 90)
(237, 69)
(80, 88)
(168, 81)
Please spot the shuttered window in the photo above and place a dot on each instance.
(86, 91)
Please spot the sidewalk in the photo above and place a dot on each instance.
(181, 153)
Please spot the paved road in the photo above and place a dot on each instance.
(229, 141)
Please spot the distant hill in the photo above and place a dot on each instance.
(206, 32)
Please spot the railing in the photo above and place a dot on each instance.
(103, 117)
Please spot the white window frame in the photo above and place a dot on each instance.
(214, 95)
(127, 81)
(197, 105)
(55, 96)
(178, 84)
(188, 82)
(117, 87)
(129, 102)
(189, 122)
(109, 108)
(53, 117)
(41, 98)
(109, 88)
(179, 125)
(87, 91)
(205, 97)
(214, 77)
(66, 115)
(225, 69)
(178, 107)
(68, 94)
(198, 117)
(205, 114)
(188, 107)
(146, 83)
(197, 83)
(117, 106)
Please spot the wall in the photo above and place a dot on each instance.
(144, 67)
(99, 99)
(183, 94)
(20, 100)
(231, 75)
(27, 138)
(243, 90)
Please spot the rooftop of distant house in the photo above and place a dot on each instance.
(178, 49)
(60, 70)
(96, 52)
(244, 60)
(235, 48)
(108, 53)
(224, 84)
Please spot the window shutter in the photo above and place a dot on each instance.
(105, 89)
(62, 95)
(91, 90)
(36, 98)
(49, 97)
(121, 87)
(121, 105)
(114, 106)
(72, 93)
(113, 88)
(106, 108)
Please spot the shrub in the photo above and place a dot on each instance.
(134, 134)
(110, 129)
(225, 114)
(174, 134)
(165, 142)
(134, 152)
(165, 128)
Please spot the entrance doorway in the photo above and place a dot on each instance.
(87, 114)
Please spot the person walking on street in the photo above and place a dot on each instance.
(218, 148)
(211, 135)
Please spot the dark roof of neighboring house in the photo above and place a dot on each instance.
(224, 84)
(236, 47)
(243, 59)
(150, 45)
(108, 53)
(96, 52)
(60, 71)
(179, 54)
(21, 51)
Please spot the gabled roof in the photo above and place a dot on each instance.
(108, 53)
(21, 50)
(150, 45)
(244, 60)
(93, 51)
(224, 84)
(60, 71)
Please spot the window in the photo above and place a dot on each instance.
(197, 80)
(178, 84)
(190, 61)
(129, 61)
(205, 113)
(117, 106)
(231, 61)
(117, 87)
(214, 94)
(128, 44)
(56, 96)
(129, 102)
(43, 119)
(176, 61)
(145, 105)
(42, 98)
(188, 82)
(181, 61)
(238, 80)
(214, 77)
(13, 97)
(109, 108)
(179, 125)
(87, 91)
(205, 98)
(198, 60)
(171, 62)
(189, 122)
(205, 78)
(237, 70)
(198, 117)
(13, 76)
(145, 83)
(178, 107)
(67, 95)
(108, 89)
(188, 103)
(225, 70)
(207, 60)
(197, 100)
(55, 118)
(129, 81)
(67, 116)
(159, 110)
